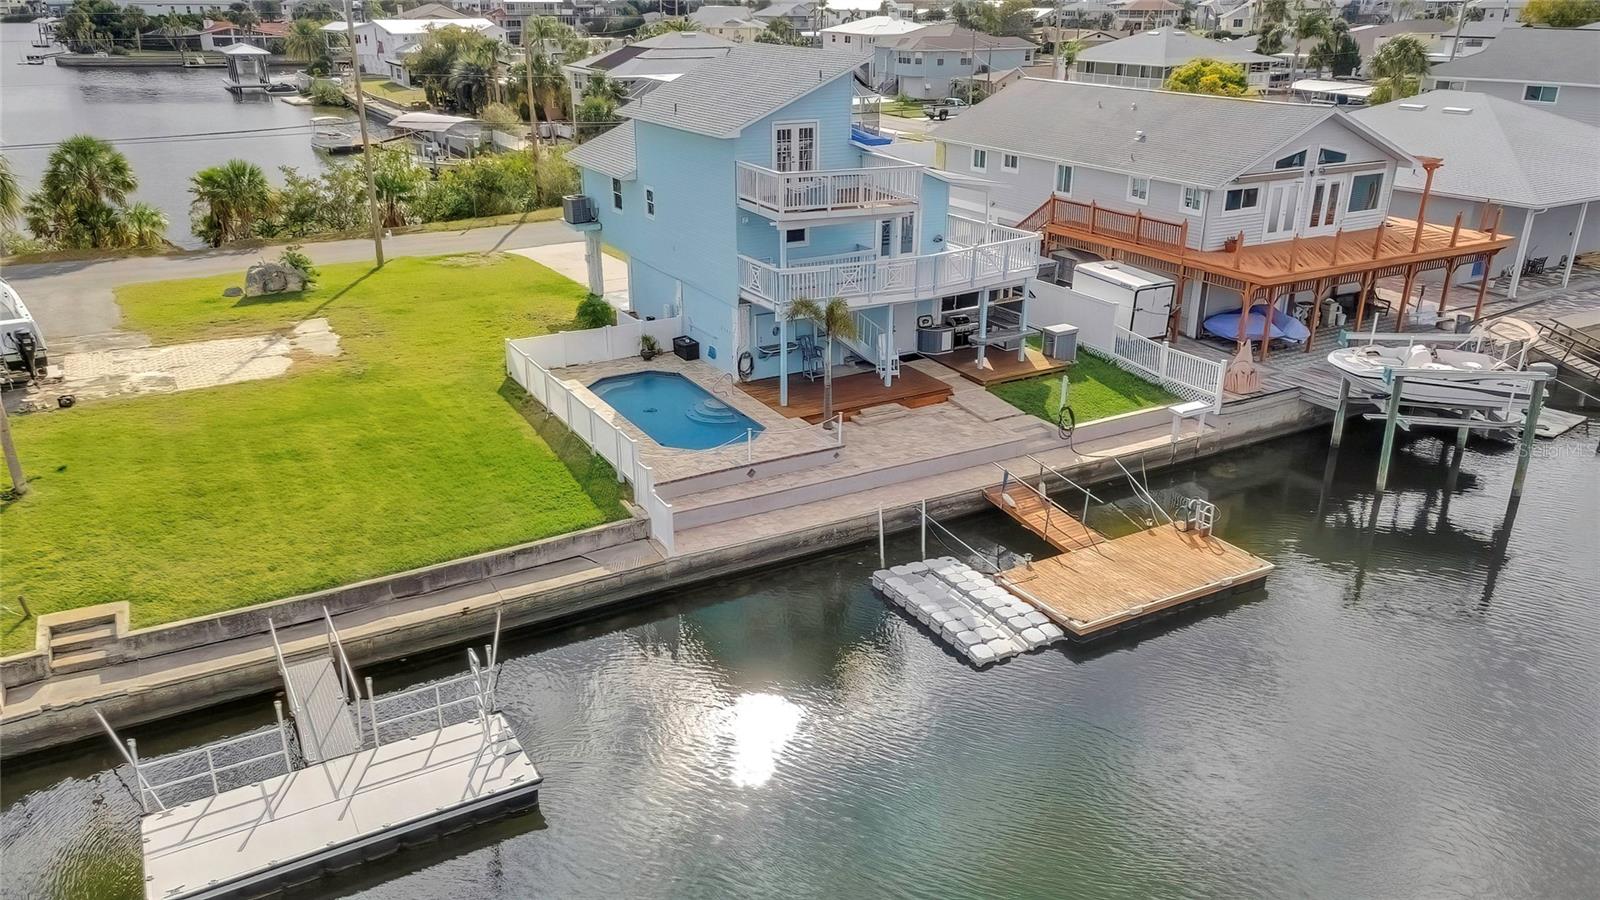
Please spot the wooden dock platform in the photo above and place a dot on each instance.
(1099, 584)
(255, 839)
(851, 393)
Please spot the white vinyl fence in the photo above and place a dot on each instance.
(528, 361)
(1184, 374)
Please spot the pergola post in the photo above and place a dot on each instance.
(1323, 284)
(1483, 287)
(1367, 278)
(1429, 165)
(1405, 296)
(1449, 273)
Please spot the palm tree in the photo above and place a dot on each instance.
(135, 19)
(304, 41)
(833, 319)
(142, 225)
(84, 181)
(1397, 68)
(607, 88)
(229, 200)
(10, 194)
(1307, 26)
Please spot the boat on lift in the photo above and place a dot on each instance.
(1492, 353)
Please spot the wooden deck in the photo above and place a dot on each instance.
(1005, 365)
(1098, 585)
(851, 393)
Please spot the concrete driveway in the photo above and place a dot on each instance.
(74, 304)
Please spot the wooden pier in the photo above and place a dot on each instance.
(1098, 584)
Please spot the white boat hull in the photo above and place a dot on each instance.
(1368, 367)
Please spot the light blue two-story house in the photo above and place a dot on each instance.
(742, 185)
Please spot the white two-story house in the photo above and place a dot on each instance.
(1553, 69)
(743, 186)
(1230, 195)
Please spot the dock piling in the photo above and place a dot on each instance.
(883, 560)
(924, 530)
(1391, 419)
(1530, 430)
(1340, 413)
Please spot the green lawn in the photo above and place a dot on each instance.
(410, 448)
(1097, 389)
(384, 89)
(906, 110)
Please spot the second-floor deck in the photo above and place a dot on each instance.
(829, 192)
(981, 255)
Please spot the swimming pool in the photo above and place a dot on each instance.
(673, 410)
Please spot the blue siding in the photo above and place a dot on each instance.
(829, 107)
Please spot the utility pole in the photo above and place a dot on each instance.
(1060, 70)
(19, 484)
(366, 143)
(527, 65)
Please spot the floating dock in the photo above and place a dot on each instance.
(977, 617)
(1096, 584)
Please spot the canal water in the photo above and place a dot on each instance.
(1407, 710)
(42, 105)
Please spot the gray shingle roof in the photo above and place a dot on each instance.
(953, 37)
(1541, 55)
(716, 16)
(1497, 149)
(722, 96)
(1166, 47)
(1189, 138)
(611, 153)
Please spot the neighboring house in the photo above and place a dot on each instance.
(800, 14)
(738, 189)
(1541, 169)
(1243, 18)
(381, 45)
(1143, 15)
(1554, 69)
(1230, 196)
(217, 36)
(1369, 38)
(1475, 36)
(1046, 34)
(513, 14)
(1145, 60)
(863, 34)
(924, 64)
(732, 23)
(645, 65)
(434, 11)
(836, 12)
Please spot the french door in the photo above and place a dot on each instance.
(897, 236)
(1325, 205)
(1283, 199)
(794, 147)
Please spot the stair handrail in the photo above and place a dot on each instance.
(1008, 477)
(1088, 495)
(1143, 493)
(283, 671)
(353, 694)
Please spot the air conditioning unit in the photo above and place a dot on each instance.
(577, 209)
(1061, 342)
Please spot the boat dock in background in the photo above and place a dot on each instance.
(353, 779)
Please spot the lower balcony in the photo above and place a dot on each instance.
(982, 256)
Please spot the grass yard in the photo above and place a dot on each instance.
(905, 109)
(410, 448)
(1097, 389)
(384, 89)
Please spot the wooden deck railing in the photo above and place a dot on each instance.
(1098, 221)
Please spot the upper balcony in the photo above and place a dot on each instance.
(981, 256)
(830, 192)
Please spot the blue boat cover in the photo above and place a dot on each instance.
(862, 136)
(1284, 326)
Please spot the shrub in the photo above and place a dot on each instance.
(594, 312)
(295, 258)
(325, 93)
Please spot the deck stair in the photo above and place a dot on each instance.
(1035, 511)
(323, 695)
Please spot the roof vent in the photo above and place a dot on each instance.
(1458, 110)
(1134, 105)
(1414, 106)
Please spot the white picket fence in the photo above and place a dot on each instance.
(528, 361)
(1184, 374)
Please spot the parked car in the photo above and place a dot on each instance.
(944, 109)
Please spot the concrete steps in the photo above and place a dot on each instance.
(85, 643)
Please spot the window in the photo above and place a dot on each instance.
(1241, 198)
(1297, 161)
(1138, 189)
(794, 146)
(650, 202)
(1063, 179)
(980, 160)
(1442, 85)
(1364, 191)
(1540, 93)
(918, 59)
(796, 237)
(1238, 23)
(908, 233)
(1328, 157)
(904, 59)
(847, 39)
(616, 194)
(1194, 200)
(966, 60)
(938, 60)
(1009, 162)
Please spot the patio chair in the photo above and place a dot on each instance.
(810, 357)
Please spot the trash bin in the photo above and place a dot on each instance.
(687, 348)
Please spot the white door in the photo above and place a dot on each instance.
(1282, 200)
(794, 147)
(1325, 205)
(897, 236)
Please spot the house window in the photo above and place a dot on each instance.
(1328, 157)
(1138, 189)
(908, 233)
(616, 194)
(1241, 198)
(938, 60)
(1194, 200)
(966, 60)
(980, 160)
(919, 59)
(1296, 161)
(1540, 93)
(1442, 85)
(794, 146)
(796, 237)
(650, 202)
(1063, 179)
(1009, 162)
(847, 39)
(1238, 23)
(1364, 191)
(904, 60)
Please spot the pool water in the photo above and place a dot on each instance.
(673, 410)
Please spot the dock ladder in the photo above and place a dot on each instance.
(323, 698)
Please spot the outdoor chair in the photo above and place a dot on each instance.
(810, 357)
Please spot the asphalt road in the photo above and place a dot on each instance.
(73, 300)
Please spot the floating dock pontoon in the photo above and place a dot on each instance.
(353, 779)
(970, 612)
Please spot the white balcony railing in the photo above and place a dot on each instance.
(998, 255)
(830, 191)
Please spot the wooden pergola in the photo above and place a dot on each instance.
(1262, 273)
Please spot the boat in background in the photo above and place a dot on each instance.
(1494, 353)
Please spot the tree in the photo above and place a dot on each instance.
(1209, 76)
(229, 201)
(1561, 13)
(781, 32)
(242, 16)
(135, 20)
(1397, 69)
(1307, 26)
(10, 194)
(305, 42)
(398, 181)
(833, 319)
(434, 66)
(1269, 41)
(320, 11)
(143, 227)
(268, 10)
(1337, 51)
(85, 181)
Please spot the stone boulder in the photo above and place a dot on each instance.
(272, 278)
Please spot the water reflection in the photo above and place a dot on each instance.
(755, 729)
